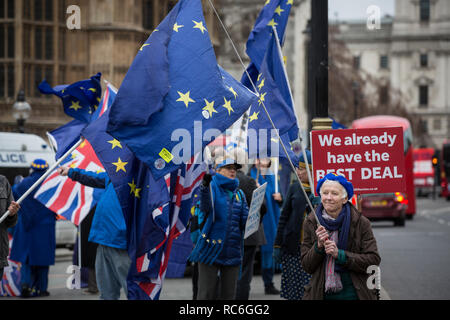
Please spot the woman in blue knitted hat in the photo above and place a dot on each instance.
(338, 252)
(219, 247)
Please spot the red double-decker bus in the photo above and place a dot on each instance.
(381, 121)
(445, 170)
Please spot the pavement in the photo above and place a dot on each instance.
(173, 288)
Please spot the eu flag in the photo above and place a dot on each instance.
(80, 99)
(274, 13)
(138, 192)
(274, 93)
(174, 92)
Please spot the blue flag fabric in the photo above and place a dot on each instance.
(138, 192)
(274, 13)
(64, 137)
(181, 94)
(274, 92)
(79, 99)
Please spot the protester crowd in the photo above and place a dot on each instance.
(322, 252)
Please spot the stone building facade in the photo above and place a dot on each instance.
(411, 52)
(35, 43)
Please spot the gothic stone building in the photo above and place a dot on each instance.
(36, 43)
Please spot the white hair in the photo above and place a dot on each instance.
(333, 182)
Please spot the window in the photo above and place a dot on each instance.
(11, 9)
(424, 125)
(37, 80)
(49, 43)
(38, 43)
(424, 10)
(437, 124)
(2, 81)
(38, 6)
(10, 83)
(356, 62)
(147, 15)
(384, 95)
(424, 60)
(10, 32)
(2, 9)
(423, 96)
(2, 42)
(49, 10)
(384, 62)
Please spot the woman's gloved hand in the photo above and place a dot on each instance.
(207, 179)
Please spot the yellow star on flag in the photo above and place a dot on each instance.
(136, 192)
(262, 98)
(132, 186)
(115, 143)
(75, 105)
(92, 89)
(233, 92)
(259, 77)
(290, 2)
(143, 46)
(254, 116)
(227, 106)
(261, 84)
(279, 10)
(184, 97)
(209, 107)
(176, 26)
(272, 23)
(199, 25)
(120, 165)
(267, 2)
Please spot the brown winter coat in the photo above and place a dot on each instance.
(361, 253)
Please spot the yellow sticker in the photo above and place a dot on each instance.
(166, 155)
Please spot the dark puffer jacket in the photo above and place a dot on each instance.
(231, 254)
(6, 197)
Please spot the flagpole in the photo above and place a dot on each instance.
(45, 175)
(293, 104)
(267, 113)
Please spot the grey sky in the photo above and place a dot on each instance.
(356, 9)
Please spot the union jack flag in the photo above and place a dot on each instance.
(67, 198)
(182, 185)
(10, 282)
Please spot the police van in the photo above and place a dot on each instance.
(17, 152)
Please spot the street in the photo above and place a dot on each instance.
(414, 259)
(414, 262)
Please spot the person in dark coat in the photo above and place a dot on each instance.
(34, 240)
(290, 235)
(6, 203)
(219, 246)
(251, 244)
(338, 252)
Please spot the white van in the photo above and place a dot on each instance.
(17, 152)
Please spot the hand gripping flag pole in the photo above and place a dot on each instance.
(45, 175)
(265, 110)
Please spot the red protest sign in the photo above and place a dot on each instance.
(371, 159)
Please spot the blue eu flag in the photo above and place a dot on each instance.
(274, 93)
(80, 99)
(138, 192)
(274, 13)
(173, 91)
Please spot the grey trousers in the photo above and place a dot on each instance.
(111, 270)
(207, 282)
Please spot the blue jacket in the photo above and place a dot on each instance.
(108, 225)
(231, 253)
(34, 236)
